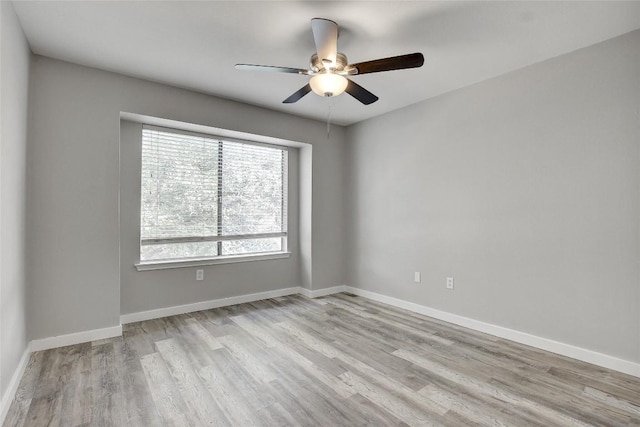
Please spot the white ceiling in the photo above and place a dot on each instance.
(196, 44)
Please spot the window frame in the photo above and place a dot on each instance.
(165, 263)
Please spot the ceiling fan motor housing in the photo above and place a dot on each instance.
(318, 66)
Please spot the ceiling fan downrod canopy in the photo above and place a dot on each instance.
(329, 68)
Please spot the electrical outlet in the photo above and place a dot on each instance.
(199, 274)
(449, 282)
(416, 277)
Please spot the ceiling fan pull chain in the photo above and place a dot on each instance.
(329, 118)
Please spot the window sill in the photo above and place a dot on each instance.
(230, 259)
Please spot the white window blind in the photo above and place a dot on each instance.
(204, 197)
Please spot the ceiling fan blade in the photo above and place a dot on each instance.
(360, 93)
(412, 60)
(252, 67)
(325, 34)
(298, 95)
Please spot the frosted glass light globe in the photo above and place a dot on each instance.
(328, 84)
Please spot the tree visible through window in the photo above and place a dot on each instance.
(204, 197)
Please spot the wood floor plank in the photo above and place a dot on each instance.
(613, 401)
(52, 382)
(30, 376)
(555, 417)
(77, 395)
(275, 415)
(139, 405)
(17, 415)
(390, 402)
(205, 338)
(233, 406)
(164, 391)
(366, 406)
(249, 356)
(321, 399)
(294, 405)
(107, 405)
(340, 360)
(202, 407)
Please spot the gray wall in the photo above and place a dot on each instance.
(73, 252)
(14, 85)
(525, 188)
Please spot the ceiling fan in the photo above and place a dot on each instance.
(329, 68)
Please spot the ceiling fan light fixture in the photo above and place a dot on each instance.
(328, 67)
(328, 84)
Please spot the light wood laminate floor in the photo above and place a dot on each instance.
(335, 361)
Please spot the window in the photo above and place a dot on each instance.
(206, 197)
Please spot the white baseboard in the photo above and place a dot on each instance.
(11, 391)
(579, 353)
(322, 292)
(205, 305)
(76, 338)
